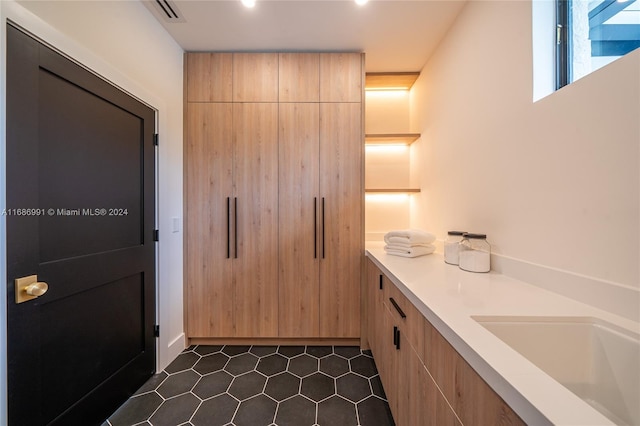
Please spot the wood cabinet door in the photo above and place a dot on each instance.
(255, 142)
(208, 174)
(299, 77)
(298, 183)
(208, 77)
(341, 77)
(255, 77)
(386, 360)
(341, 201)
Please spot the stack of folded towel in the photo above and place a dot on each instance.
(409, 243)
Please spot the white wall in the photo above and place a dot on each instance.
(553, 183)
(121, 41)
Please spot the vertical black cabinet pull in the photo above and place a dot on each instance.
(395, 336)
(228, 227)
(380, 281)
(397, 339)
(395, 305)
(323, 227)
(235, 228)
(315, 227)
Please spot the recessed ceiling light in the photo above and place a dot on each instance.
(249, 3)
(361, 2)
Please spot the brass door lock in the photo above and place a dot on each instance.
(28, 288)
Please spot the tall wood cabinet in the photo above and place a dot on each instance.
(273, 167)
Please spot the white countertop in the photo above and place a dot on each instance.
(448, 297)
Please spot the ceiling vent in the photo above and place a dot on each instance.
(165, 10)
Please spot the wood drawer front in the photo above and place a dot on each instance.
(413, 322)
(470, 396)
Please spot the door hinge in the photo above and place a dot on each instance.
(156, 235)
(156, 139)
(156, 330)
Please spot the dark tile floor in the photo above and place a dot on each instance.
(261, 386)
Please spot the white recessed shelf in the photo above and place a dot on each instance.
(390, 80)
(391, 190)
(391, 138)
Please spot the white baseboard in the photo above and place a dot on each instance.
(171, 352)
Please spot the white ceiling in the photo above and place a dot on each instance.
(395, 35)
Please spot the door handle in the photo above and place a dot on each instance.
(315, 227)
(395, 305)
(323, 227)
(228, 227)
(28, 288)
(235, 225)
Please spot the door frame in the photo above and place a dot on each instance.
(42, 31)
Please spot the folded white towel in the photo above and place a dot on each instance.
(414, 251)
(402, 243)
(409, 236)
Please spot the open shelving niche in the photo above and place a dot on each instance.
(391, 139)
(387, 81)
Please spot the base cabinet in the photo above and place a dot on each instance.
(427, 382)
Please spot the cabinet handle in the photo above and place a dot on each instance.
(380, 281)
(395, 336)
(315, 227)
(228, 227)
(235, 227)
(323, 227)
(395, 305)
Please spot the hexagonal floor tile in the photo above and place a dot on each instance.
(216, 411)
(175, 411)
(374, 412)
(296, 411)
(263, 350)
(347, 351)
(318, 387)
(184, 361)
(257, 411)
(364, 366)
(247, 385)
(210, 363)
(303, 365)
(213, 384)
(272, 364)
(334, 365)
(282, 386)
(376, 387)
(337, 411)
(178, 383)
(241, 364)
(153, 383)
(319, 351)
(235, 350)
(207, 349)
(291, 351)
(353, 387)
(136, 410)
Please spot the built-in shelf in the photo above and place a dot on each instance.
(390, 80)
(392, 190)
(391, 138)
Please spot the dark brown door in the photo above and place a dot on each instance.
(80, 216)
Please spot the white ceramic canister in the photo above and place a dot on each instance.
(451, 248)
(475, 253)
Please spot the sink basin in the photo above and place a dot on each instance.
(596, 360)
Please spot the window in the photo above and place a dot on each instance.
(593, 33)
